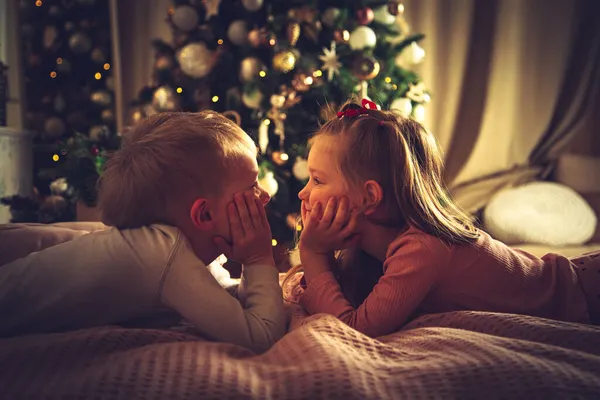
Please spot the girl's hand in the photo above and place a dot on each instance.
(331, 229)
(250, 232)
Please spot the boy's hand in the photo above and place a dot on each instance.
(250, 231)
(329, 230)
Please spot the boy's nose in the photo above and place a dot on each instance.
(303, 194)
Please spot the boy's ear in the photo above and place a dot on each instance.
(201, 215)
(373, 195)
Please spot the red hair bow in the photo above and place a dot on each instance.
(355, 112)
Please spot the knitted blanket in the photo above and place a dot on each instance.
(452, 355)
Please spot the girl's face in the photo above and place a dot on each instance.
(326, 180)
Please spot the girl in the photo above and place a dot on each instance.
(376, 185)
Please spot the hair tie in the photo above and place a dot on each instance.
(355, 112)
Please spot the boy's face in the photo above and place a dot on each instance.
(242, 177)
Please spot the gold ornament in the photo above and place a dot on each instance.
(312, 30)
(280, 158)
(254, 37)
(196, 60)
(365, 68)
(293, 33)
(249, 69)
(277, 100)
(341, 36)
(284, 61)
(163, 63)
(108, 116)
(137, 116)
(303, 14)
(302, 82)
(101, 98)
(395, 8)
(165, 99)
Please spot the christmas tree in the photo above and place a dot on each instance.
(279, 68)
(69, 104)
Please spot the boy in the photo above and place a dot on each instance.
(181, 191)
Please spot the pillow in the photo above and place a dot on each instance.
(545, 213)
(19, 240)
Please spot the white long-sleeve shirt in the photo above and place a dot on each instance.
(115, 275)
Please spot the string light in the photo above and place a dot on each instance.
(179, 90)
(395, 87)
(274, 242)
(284, 157)
(262, 74)
(272, 42)
(220, 41)
(106, 66)
(388, 79)
(53, 74)
(55, 157)
(318, 73)
(98, 76)
(215, 99)
(59, 60)
(298, 227)
(38, 3)
(308, 80)
(267, 122)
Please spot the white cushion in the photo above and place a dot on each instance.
(540, 213)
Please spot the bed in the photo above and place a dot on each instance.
(449, 355)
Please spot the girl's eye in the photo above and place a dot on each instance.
(317, 181)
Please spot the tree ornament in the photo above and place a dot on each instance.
(403, 105)
(165, 99)
(249, 69)
(101, 98)
(185, 18)
(302, 82)
(164, 63)
(419, 113)
(108, 116)
(238, 32)
(284, 61)
(383, 16)
(417, 92)
(51, 34)
(80, 43)
(263, 135)
(312, 30)
(136, 115)
(269, 183)
(196, 60)
(341, 36)
(293, 32)
(253, 99)
(331, 63)
(212, 8)
(330, 16)
(252, 5)
(362, 37)
(364, 15)
(54, 127)
(262, 38)
(300, 169)
(279, 158)
(305, 14)
(395, 8)
(98, 55)
(365, 67)
(97, 132)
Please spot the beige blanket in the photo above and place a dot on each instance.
(453, 355)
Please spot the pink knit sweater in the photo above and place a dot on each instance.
(424, 275)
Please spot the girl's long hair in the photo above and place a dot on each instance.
(405, 160)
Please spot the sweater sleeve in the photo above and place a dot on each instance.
(256, 323)
(410, 273)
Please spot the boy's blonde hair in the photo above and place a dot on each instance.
(168, 156)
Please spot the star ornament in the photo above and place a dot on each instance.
(331, 63)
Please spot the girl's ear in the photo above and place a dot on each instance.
(373, 196)
(201, 215)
